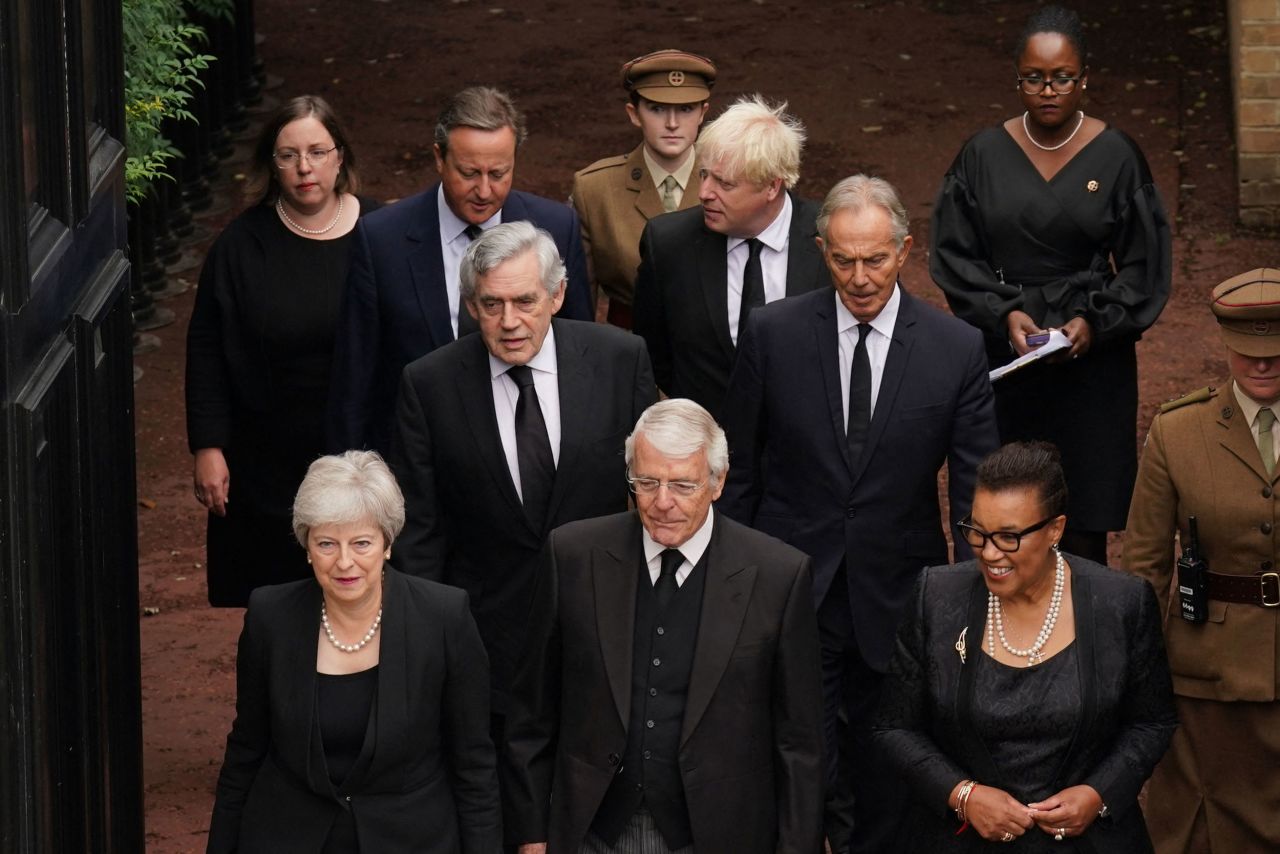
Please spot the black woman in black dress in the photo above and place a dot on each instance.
(260, 344)
(1029, 696)
(1051, 220)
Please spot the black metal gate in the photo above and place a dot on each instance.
(70, 731)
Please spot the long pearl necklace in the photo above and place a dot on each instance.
(349, 647)
(284, 216)
(995, 620)
(1027, 131)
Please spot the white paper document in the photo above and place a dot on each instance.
(1057, 341)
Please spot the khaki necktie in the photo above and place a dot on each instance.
(669, 200)
(1266, 444)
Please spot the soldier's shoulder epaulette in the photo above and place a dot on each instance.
(605, 163)
(1197, 396)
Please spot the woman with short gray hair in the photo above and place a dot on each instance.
(383, 744)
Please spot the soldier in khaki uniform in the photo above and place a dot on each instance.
(1212, 455)
(615, 197)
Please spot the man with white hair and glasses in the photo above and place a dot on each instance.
(688, 647)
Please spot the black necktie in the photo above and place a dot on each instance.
(752, 285)
(859, 396)
(665, 587)
(533, 449)
(467, 323)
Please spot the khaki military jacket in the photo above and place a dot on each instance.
(1201, 460)
(614, 198)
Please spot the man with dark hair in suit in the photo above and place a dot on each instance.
(842, 409)
(500, 437)
(669, 696)
(402, 287)
(750, 242)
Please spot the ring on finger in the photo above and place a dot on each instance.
(1059, 834)
(1008, 837)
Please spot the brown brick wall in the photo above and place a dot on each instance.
(1255, 67)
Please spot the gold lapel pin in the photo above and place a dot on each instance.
(1092, 186)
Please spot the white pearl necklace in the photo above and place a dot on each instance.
(349, 647)
(1034, 654)
(1027, 131)
(284, 216)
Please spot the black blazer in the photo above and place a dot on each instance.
(751, 742)
(425, 780)
(924, 721)
(790, 474)
(464, 523)
(397, 305)
(681, 298)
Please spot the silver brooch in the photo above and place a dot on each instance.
(960, 646)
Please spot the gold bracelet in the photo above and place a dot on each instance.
(962, 799)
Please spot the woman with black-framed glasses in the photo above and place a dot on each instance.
(261, 341)
(1029, 696)
(1052, 221)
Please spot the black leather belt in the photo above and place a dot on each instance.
(1262, 588)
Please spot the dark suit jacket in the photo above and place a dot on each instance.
(925, 719)
(751, 743)
(425, 779)
(681, 298)
(790, 473)
(465, 524)
(397, 308)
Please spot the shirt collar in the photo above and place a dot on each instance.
(882, 322)
(451, 227)
(544, 360)
(691, 549)
(682, 174)
(1248, 406)
(775, 234)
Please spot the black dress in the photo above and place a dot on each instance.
(1027, 717)
(1091, 242)
(344, 706)
(259, 350)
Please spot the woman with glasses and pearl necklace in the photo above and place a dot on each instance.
(362, 694)
(1029, 696)
(261, 341)
(1051, 221)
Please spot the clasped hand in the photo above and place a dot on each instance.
(994, 812)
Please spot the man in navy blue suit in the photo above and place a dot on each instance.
(402, 289)
(842, 408)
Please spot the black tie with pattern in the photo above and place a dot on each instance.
(466, 323)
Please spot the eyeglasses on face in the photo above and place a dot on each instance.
(651, 485)
(1034, 84)
(289, 159)
(1006, 541)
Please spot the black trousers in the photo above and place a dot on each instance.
(865, 798)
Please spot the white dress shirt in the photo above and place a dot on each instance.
(878, 340)
(1250, 408)
(691, 550)
(453, 244)
(506, 394)
(682, 174)
(773, 263)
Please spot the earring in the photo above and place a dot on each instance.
(1084, 85)
(386, 555)
(308, 559)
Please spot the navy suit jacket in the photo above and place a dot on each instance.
(789, 469)
(397, 307)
